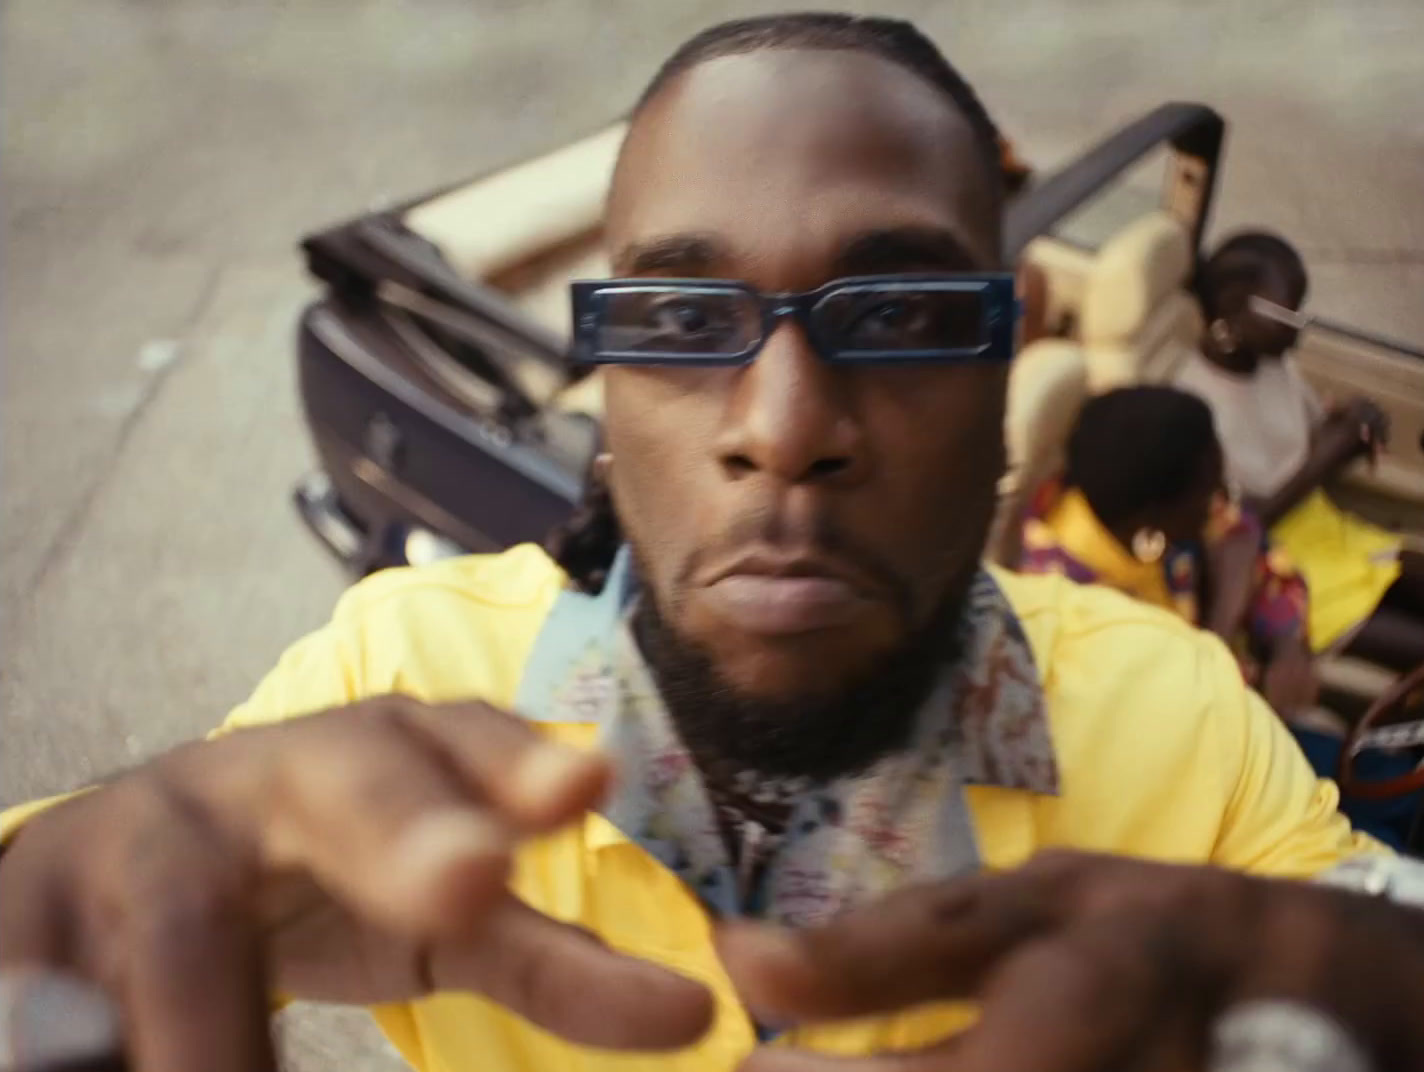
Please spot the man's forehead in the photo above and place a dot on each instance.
(760, 151)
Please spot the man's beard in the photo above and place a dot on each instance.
(819, 738)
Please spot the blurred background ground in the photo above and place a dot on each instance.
(161, 157)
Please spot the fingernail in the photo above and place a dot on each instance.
(443, 838)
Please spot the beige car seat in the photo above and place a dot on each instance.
(1134, 319)
(1065, 269)
(1137, 319)
(1047, 387)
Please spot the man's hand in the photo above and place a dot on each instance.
(356, 856)
(1086, 963)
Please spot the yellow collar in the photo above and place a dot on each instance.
(1079, 532)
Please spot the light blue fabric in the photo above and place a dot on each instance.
(576, 622)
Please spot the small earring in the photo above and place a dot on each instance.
(1223, 337)
(1149, 545)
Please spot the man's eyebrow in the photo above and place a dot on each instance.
(675, 255)
(906, 249)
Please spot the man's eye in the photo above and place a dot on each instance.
(681, 317)
(893, 314)
(892, 317)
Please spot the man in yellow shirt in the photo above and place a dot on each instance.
(794, 692)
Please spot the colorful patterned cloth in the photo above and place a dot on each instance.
(850, 841)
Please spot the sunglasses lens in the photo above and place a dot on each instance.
(891, 318)
(671, 322)
(907, 318)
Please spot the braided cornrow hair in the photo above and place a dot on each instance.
(891, 39)
(586, 543)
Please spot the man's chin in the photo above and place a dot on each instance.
(817, 703)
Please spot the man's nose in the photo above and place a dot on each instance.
(794, 417)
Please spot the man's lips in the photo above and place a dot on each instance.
(781, 596)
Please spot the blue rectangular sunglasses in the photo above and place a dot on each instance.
(948, 318)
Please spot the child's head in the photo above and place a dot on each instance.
(1147, 458)
(1245, 287)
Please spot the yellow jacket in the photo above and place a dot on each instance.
(1161, 752)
